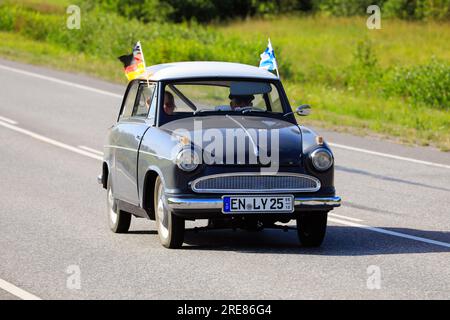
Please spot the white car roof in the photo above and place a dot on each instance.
(184, 70)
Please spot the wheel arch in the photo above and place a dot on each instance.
(105, 175)
(148, 191)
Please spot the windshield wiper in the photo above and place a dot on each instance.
(250, 109)
(196, 112)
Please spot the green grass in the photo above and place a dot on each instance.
(18, 48)
(330, 42)
(364, 92)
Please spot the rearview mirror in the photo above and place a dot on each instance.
(304, 110)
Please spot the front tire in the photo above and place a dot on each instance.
(119, 221)
(170, 226)
(311, 228)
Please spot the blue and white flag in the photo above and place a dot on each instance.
(268, 60)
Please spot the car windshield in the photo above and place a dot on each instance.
(204, 97)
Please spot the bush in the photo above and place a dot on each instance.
(418, 9)
(404, 9)
(346, 7)
(142, 10)
(364, 71)
(7, 18)
(198, 10)
(435, 9)
(427, 83)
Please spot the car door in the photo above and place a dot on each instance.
(127, 135)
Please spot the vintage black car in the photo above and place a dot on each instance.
(216, 141)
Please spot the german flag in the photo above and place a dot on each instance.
(134, 63)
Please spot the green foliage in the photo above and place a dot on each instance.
(404, 9)
(428, 84)
(205, 11)
(142, 10)
(111, 35)
(346, 7)
(7, 18)
(435, 9)
(418, 9)
(364, 70)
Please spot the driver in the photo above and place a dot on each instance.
(241, 101)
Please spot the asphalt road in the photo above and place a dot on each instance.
(394, 225)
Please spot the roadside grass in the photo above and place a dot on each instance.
(19, 48)
(357, 80)
(310, 42)
(47, 6)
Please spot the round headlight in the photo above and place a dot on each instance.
(187, 160)
(322, 159)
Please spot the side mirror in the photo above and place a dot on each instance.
(304, 110)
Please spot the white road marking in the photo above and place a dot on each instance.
(345, 217)
(8, 120)
(91, 150)
(391, 156)
(20, 293)
(392, 233)
(51, 141)
(56, 80)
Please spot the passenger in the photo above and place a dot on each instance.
(169, 103)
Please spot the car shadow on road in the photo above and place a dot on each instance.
(143, 232)
(340, 241)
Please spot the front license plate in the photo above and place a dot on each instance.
(256, 204)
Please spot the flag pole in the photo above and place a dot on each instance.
(143, 60)
(278, 73)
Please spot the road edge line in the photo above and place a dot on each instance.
(392, 233)
(64, 82)
(51, 141)
(391, 156)
(16, 291)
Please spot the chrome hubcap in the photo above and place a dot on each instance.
(163, 218)
(112, 213)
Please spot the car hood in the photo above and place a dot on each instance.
(266, 139)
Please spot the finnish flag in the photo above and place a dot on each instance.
(268, 60)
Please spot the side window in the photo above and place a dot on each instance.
(153, 106)
(275, 100)
(144, 101)
(129, 100)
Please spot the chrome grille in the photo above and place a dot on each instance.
(255, 183)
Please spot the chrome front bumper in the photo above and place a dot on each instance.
(217, 203)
